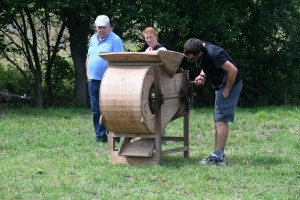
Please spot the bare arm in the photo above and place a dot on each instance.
(86, 66)
(232, 71)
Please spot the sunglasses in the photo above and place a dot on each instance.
(101, 27)
(191, 59)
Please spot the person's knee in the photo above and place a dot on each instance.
(221, 123)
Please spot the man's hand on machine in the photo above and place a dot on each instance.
(200, 80)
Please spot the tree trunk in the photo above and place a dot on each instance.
(79, 31)
(38, 89)
(80, 89)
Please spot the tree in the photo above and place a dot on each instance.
(28, 31)
(262, 38)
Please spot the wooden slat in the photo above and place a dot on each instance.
(134, 64)
(125, 141)
(186, 127)
(142, 147)
(171, 60)
(170, 138)
(137, 57)
(134, 135)
(175, 150)
(157, 120)
(114, 158)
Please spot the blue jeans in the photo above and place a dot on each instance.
(94, 90)
(100, 130)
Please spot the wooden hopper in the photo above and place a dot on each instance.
(140, 94)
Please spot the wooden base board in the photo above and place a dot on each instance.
(142, 147)
(114, 158)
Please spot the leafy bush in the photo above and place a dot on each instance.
(12, 82)
(63, 79)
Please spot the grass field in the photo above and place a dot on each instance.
(51, 154)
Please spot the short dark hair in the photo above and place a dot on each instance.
(193, 46)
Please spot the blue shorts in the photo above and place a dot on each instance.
(225, 108)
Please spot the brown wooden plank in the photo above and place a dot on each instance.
(175, 150)
(134, 135)
(125, 141)
(186, 126)
(171, 138)
(141, 147)
(114, 158)
(171, 60)
(135, 64)
(157, 119)
(123, 57)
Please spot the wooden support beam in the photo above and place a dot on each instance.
(157, 119)
(175, 150)
(114, 158)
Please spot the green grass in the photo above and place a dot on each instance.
(51, 154)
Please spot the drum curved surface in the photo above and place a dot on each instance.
(124, 100)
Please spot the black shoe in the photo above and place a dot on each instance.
(102, 140)
(214, 160)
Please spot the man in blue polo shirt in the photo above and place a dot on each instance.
(104, 40)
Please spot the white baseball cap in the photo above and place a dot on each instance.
(102, 20)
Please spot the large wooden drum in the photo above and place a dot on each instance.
(127, 91)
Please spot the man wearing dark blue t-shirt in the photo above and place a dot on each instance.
(220, 70)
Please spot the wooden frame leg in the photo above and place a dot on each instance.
(186, 131)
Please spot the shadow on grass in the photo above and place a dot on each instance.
(257, 160)
(178, 161)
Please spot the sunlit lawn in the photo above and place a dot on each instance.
(51, 154)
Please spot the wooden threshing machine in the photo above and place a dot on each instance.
(141, 92)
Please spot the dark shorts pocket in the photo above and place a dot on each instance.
(224, 112)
